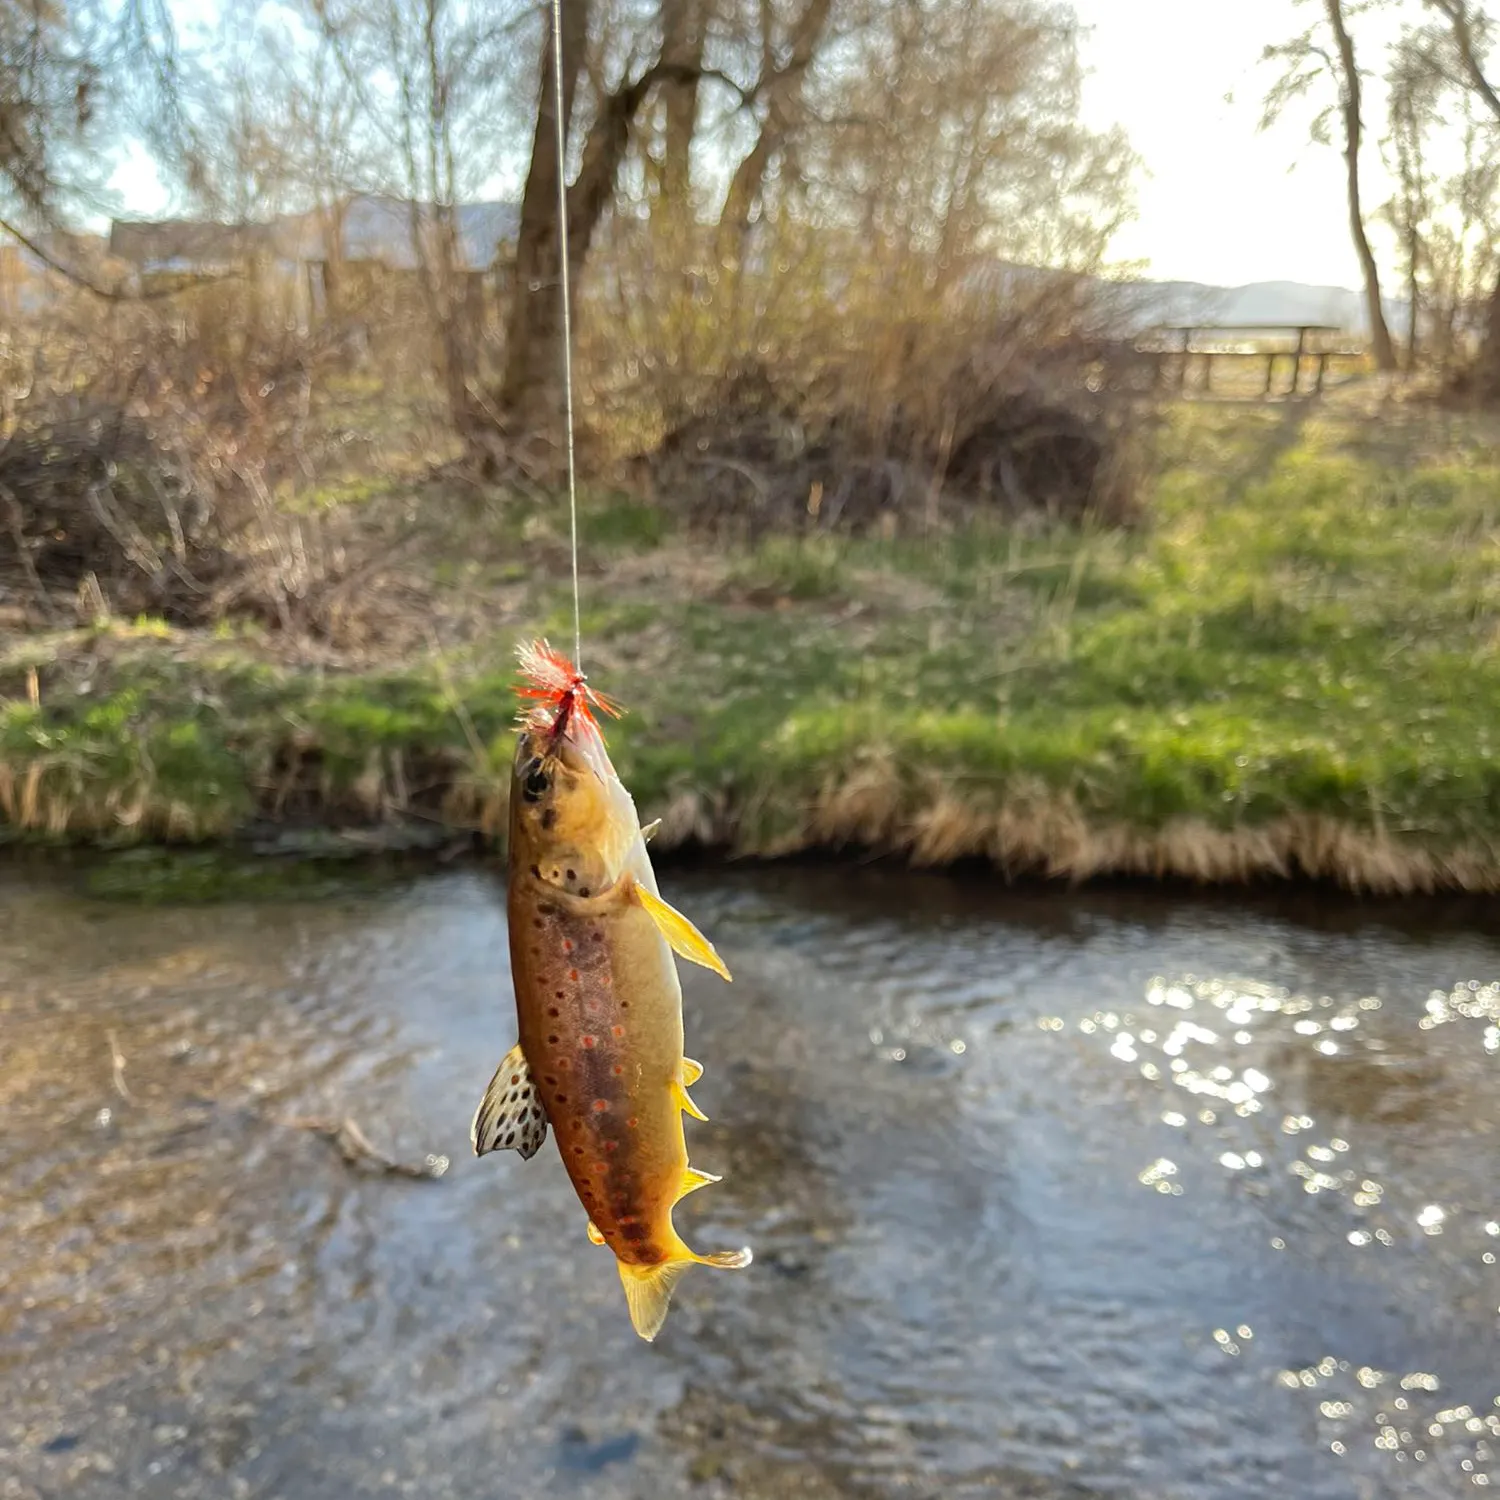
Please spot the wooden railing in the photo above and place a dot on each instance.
(1174, 349)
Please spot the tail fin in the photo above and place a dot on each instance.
(648, 1289)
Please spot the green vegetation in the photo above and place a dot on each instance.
(1293, 664)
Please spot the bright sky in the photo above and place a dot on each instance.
(1219, 201)
(1220, 204)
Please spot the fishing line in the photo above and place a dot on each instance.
(567, 319)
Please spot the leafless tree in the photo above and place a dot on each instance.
(1325, 51)
(426, 75)
(1470, 33)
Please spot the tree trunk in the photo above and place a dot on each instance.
(685, 34)
(530, 383)
(1487, 366)
(1413, 297)
(1380, 334)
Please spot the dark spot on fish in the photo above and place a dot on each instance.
(550, 1081)
(559, 1098)
(510, 1137)
(515, 1078)
(624, 1004)
(634, 1231)
(537, 871)
(537, 922)
(577, 1150)
(552, 1010)
(583, 890)
(549, 817)
(536, 782)
(572, 874)
(552, 1040)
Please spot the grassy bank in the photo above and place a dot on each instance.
(1292, 667)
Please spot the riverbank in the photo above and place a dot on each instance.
(1290, 668)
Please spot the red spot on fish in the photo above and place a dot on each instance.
(600, 1105)
(573, 974)
(577, 1150)
(515, 1078)
(567, 945)
(619, 1069)
(611, 1146)
(633, 1121)
(588, 1041)
(602, 1168)
(563, 1064)
(616, 1030)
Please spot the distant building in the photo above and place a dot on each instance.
(361, 240)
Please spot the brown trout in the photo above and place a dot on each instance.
(598, 1003)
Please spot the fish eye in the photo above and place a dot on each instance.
(536, 781)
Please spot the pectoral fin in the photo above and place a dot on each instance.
(685, 939)
(510, 1117)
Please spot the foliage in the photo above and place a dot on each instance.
(1306, 637)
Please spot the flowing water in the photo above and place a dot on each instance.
(1052, 1194)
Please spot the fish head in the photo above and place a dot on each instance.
(565, 820)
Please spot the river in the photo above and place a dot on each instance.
(1052, 1193)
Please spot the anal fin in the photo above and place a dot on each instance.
(684, 938)
(510, 1117)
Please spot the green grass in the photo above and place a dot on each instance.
(1308, 623)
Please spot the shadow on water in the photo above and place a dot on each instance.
(1112, 1192)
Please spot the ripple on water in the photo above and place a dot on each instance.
(1027, 1219)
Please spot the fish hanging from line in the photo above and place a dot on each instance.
(598, 1003)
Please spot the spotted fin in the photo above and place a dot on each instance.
(685, 939)
(510, 1117)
